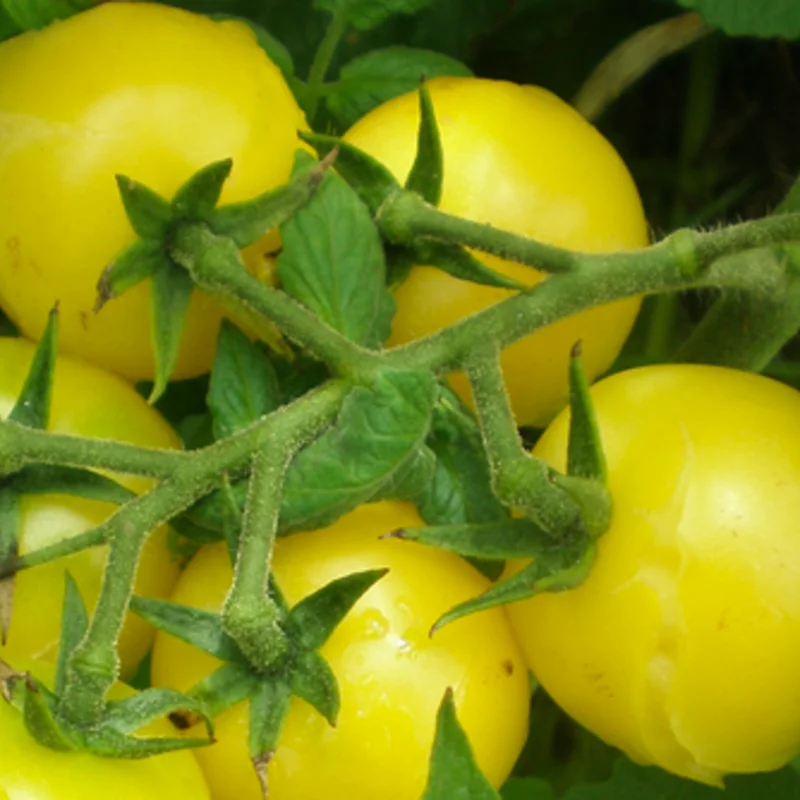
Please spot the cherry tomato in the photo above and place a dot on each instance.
(88, 402)
(29, 771)
(139, 89)
(391, 675)
(683, 645)
(520, 159)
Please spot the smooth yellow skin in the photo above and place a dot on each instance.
(520, 159)
(392, 676)
(148, 91)
(29, 771)
(683, 645)
(88, 402)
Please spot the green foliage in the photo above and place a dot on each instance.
(27, 14)
(631, 782)
(379, 427)
(366, 14)
(333, 262)
(377, 76)
(526, 789)
(751, 17)
(243, 384)
(454, 775)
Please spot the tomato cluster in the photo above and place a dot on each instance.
(682, 646)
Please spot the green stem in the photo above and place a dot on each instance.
(249, 615)
(406, 217)
(215, 265)
(518, 479)
(746, 330)
(229, 457)
(43, 555)
(21, 445)
(93, 666)
(322, 62)
(661, 330)
(684, 260)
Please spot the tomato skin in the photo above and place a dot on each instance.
(520, 159)
(683, 645)
(138, 89)
(391, 675)
(89, 402)
(29, 771)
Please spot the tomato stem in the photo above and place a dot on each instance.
(687, 259)
(519, 479)
(21, 445)
(322, 62)
(217, 268)
(93, 666)
(249, 615)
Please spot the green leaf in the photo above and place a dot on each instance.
(367, 14)
(378, 427)
(373, 182)
(632, 782)
(110, 743)
(427, 171)
(314, 681)
(776, 18)
(171, 292)
(9, 549)
(149, 213)
(380, 75)
(74, 624)
(29, 14)
(8, 27)
(792, 200)
(311, 622)
(201, 629)
(411, 478)
(137, 263)
(333, 262)
(499, 540)
(243, 384)
(454, 773)
(460, 263)
(32, 408)
(565, 568)
(585, 458)
(245, 223)
(526, 789)
(225, 687)
(460, 490)
(134, 713)
(39, 716)
(73, 481)
(275, 50)
(198, 197)
(269, 706)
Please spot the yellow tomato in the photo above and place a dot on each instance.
(88, 402)
(29, 771)
(148, 91)
(520, 159)
(683, 645)
(391, 675)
